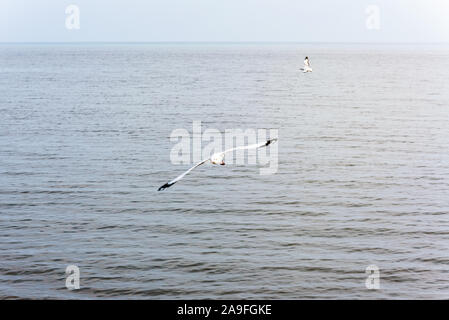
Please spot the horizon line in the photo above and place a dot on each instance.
(224, 42)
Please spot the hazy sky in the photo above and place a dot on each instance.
(226, 20)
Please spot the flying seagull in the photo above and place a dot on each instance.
(216, 158)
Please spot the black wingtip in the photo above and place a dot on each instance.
(165, 186)
(270, 141)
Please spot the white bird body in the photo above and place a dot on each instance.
(307, 66)
(216, 158)
(307, 69)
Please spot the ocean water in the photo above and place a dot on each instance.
(362, 179)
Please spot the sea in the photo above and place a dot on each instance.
(357, 208)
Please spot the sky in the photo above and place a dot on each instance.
(391, 21)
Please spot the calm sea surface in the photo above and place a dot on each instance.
(363, 173)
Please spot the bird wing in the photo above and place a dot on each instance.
(251, 146)
(172, 182)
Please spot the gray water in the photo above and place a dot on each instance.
(363, 173)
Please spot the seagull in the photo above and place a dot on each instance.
(216, 158)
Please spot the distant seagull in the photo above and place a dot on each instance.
(216, 158)
(307, 66)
